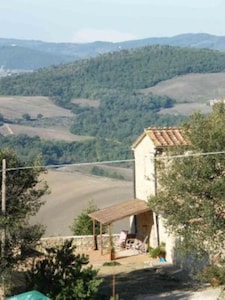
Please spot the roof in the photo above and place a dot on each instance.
(120, 211)
(164, 137)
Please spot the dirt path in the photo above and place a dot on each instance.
(8, 128)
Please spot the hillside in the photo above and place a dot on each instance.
(70, 194)
(192, 92)
(191, 87)
(119, 86)
(20, 58)
(43, 54)
(15, 106)
(122, 71)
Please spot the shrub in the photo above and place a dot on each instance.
(61, 275)
(158, 251)
(213, 274)
(26, 117)
(82, 225)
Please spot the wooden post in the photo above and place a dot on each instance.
(3, 233)
(101, 238)
(114, 287)
(3, 186)
(111, 243)
(93, 232)
(95, 242)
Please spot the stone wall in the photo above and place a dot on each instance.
(82, 242)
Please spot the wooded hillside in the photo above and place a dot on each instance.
(116, 80)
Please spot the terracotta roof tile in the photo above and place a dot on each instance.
(167, 136)
(164, 137)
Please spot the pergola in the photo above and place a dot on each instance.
(116, 212)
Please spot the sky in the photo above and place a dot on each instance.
(83, 21)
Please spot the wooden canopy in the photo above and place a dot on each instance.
(119, 211)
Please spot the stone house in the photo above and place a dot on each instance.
(145, 225)
(147, 148)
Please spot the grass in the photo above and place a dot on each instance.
(192, 92)
(49, 133)
(191, 88)
(111, 263)
(13, 107)
(71, 193)
(187, 109)
(54, 124)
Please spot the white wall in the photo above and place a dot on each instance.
(144, 155)
(168, 239)
(144, 169)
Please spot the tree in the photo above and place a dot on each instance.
(1, 118)
(24, 190)
(82, 225)
(26, 117)
(61, 274)
(39, 116)
(191, 197)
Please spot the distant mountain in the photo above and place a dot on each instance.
(190, 40)
(21, 58)
(32, 55)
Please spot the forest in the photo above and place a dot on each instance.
(117, 81)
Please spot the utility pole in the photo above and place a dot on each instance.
(3, 186)
(3, 233)
(155, 216)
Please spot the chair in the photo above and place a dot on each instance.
(122, 239)
(140, 246)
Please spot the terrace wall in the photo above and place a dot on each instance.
(82, 242)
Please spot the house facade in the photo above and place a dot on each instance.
(150, 146)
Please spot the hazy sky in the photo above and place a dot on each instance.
(108, 20)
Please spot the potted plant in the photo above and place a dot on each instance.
(158, 252)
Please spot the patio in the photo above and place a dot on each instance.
(128, 260)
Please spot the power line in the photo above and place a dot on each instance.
(71, 165)
(189, 155)
(114, 161)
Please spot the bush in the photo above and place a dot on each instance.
(83, 225)
(26, 117)
(213, 274)
(61, 275)
(101, 172)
